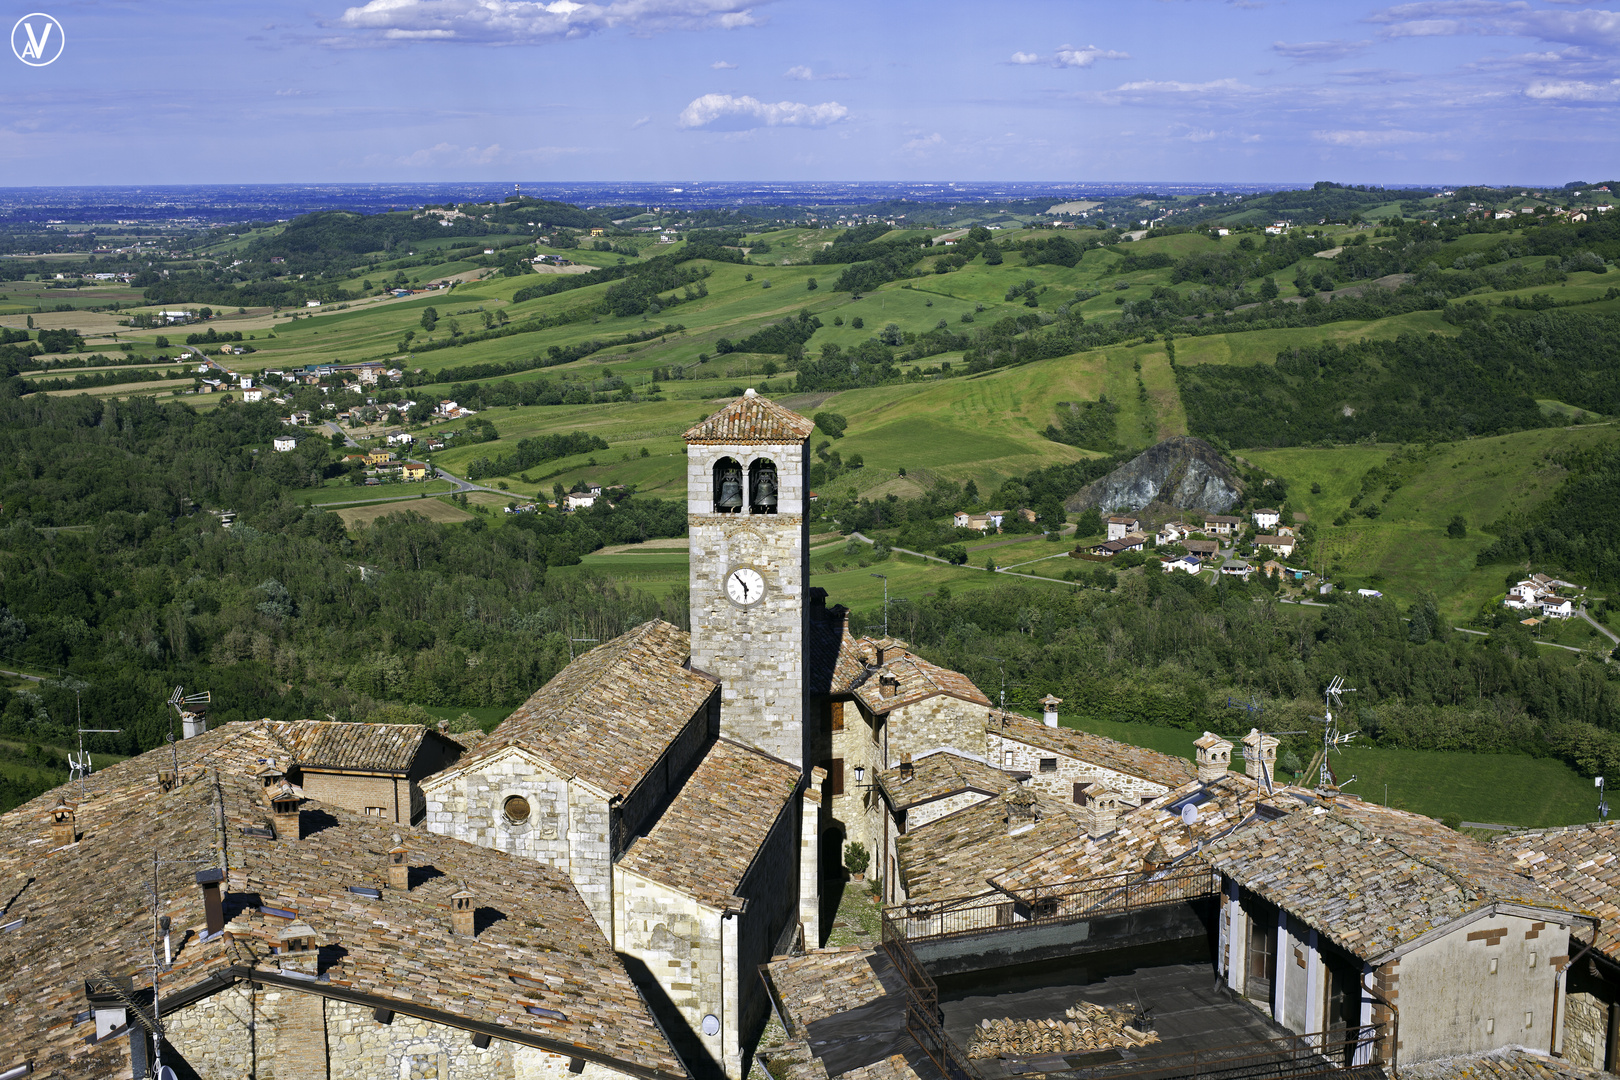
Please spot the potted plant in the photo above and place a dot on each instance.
(856, 860)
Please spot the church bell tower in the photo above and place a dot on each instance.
(746, 475)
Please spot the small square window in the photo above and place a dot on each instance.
(1493, 965)
(1048, 764)
(1529, 1020)
(1007, 758)
(374, 811)
(1490, 1025)
(1532, 959)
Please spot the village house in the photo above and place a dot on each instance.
(413, 470)
(251, 396)
(1130, 542)
(284, 444)
(990, 519)
(580, 500)
(1221, 524)
(399, 438)
(1172, 532)
(379, 457)
(1282, 545)
(1266, 519)
(1186, 563)
(1122, 525)
(1203, 549)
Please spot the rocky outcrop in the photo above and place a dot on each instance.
(1181, 473)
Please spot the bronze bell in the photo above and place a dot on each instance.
(731, 493)
(765, 491)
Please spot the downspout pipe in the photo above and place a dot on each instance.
(1395, 1027)
(1553, 1048)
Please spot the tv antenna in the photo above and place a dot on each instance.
(182, 703)
(1334, 739)
(80, 765)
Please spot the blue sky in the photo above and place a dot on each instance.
(174, 91)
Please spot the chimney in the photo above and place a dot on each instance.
(1021, 812)
(1214, 757)
(1049, 706)
(1100, 807)
(907, 769)
(271, 776)
(165, 779)
(284, 812)
(63, 831)
(888, 685)
(192, 724)
(461, 914)
(296, 949)
(212, 883)
(1260, 750)
(399, 874)
(1156, 859)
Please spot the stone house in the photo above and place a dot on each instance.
(1221, 524)
(1282, 545)
(1331, 911)
(302, 940)
(375, 770)
(1060, 759)
(1122, 525)
(1266, 519)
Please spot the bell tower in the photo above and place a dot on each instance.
(746, 472)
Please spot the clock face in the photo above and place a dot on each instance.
(745, 586)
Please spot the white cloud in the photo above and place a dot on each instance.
(725, 112)
(642, 122)
(1573, 90)
(723, 65)
(1306, 51)
(802, 73)
(1067, 56)
(1358, 139)
(923, 142)
(450, 154)
(1448, 18)
(517, 22)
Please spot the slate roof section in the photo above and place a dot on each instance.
(608, 716)
(955, 856)
(826, 982)
(1226, 804)
(915, 680)
(941, 774)
(94, 895)
(1373, 878)
(752, 419)
(1581, 864)
(382, 748)
(704, 843)
(1121, 757)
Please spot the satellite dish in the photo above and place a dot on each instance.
(1189, 814)
(166, 1073)
(711, 1024)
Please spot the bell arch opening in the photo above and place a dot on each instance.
(762, 486)
(728, 486)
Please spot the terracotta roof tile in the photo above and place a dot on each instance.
(955, 856)
(94, 896)
(362, 747)
(752, 419)
(906, 679)
(1121, 757)
(1580, 864)
(1507, 1063)
(608, 716)
(1221, 805)
(705, 841)
(938, 774)
(1370, 877)
(826, 982)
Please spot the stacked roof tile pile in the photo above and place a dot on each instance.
(1087, 1028)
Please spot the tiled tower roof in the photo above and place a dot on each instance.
(752, 419)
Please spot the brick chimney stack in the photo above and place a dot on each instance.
(284, 812)
(1100, 809)
(1260, 750)
(461, 914)
(165, 779)
(1214, 757)
(399, 874)
(63, 830)
(296, 949)
(1049, 706)
(212, 884)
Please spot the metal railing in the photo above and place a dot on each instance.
(925, 1023)
(1119, 894)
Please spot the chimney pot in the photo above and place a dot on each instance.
(399, 874)
(1260, 750)
(461, 914)
(192, 725)
(165, 779)
(1049, 713)
(907, 769)
(1100, 809)
(1214, 757)
(296, 949)
(284, 811)
(63, 830)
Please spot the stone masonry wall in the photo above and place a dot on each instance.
(358, 793)
(771, 888)
(917, 816)
(680, 942)
(757, 651)
(1586, 1030)
(242, 1032)
(590, 853)
(938, 722)
(1008, 753)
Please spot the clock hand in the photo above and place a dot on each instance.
(744, 585)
